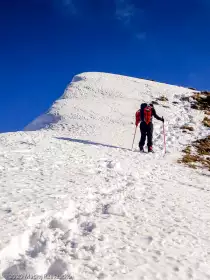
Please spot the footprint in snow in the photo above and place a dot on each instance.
(105, 209)
(55, 223)
(113, 165)
(6, 210)
(146, 241)
(87, 227)
(38, 248)
(117, 210)
(131, 180)
(37, 244)
(57, 268)
(89, 248)
(22, 269)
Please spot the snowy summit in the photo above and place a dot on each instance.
(77, 203)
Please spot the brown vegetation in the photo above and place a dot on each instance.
(201, 101)
(206, 121)
(162, 98)
(202, 150)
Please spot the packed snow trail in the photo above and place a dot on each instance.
(81, 210)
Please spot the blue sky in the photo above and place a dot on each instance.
(44, 43)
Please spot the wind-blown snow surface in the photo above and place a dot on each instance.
(77, 203)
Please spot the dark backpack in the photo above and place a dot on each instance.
(146, 113)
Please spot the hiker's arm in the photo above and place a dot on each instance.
(155, 115)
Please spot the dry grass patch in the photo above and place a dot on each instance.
(201, 155)
(206, 121)
(203, 146)
(187, 150)
(162, 98)
(201, 101)
(189, 160)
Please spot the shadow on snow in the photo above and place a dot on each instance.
(87, 142)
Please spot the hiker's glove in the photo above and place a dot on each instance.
(162, 119)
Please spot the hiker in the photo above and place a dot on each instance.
(144, 116)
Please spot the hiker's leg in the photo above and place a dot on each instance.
(150, 135)
(143, 134)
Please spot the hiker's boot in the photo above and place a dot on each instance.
(141, 149)
(150, 150)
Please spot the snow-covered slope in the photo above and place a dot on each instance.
(76, 202)
(101, 107)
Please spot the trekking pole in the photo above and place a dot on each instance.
(134, 137)
(164, 137)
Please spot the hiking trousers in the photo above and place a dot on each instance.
(146, 131)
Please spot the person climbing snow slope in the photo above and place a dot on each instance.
(144, 117)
